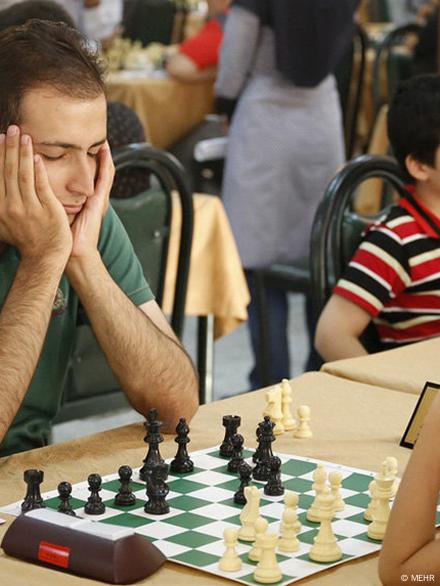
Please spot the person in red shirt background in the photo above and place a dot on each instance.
(197, 57)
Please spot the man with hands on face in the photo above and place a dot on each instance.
(61, 244)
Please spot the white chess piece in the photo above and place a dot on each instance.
(384, 486)
(273, 409)
(267, 570)
(392, 465)
(286, 398)
(303, 430)
(335, 479)
(260, 528)
(368, 513)
(230, 562)
(288, 540)
(319, 480)
(325, 547)
(291, 502)
(249, 514)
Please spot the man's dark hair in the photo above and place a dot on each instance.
(20, 13)
(42, 53)
(414, 121)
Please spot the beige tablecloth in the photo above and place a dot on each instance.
(216, 280)
(168, 108)
(404, 369)
(353, 424)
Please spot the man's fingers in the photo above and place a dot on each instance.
(42, 185)
(26, 170)
(106, 172)
(11, 162)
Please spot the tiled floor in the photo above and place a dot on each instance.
(232, 364)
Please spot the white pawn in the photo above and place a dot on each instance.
(335, 479)
(267, 570)
(319, 478)
(288, 540)
(303, 430)
(286, 398)
(260, 528)
(230, 562)
(273, 409)
(291, 502)
(391, 463)
(384, 486)
(249, 514)
(325, 547)
(368, 513)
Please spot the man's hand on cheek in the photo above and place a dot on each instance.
(87, 224)
(31, 217)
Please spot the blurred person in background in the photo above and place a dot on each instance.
(197, 57)
(102, 20)
(276, 87)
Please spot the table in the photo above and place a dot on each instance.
(367, 427)
(168, 108)
(217, 290)
(404, 369)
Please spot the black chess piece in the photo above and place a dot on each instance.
(64, 494)
(266, 437)
(256, 454)
(274, 486)
(125, 496)
(182, 463)
(94, 504)
(237, 453)
(153, 439)
(245, 472)
(33, 498)
(157, 491)
(231, 423)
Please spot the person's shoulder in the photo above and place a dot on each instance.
(395, 220)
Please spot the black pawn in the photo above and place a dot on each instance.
(94, 504)
(245, 472)
(231, 423)
(125, 497)
(64, 492)
(237, 453)
(182, 462)
(33, 498)
(153, 439)
(274, 486)
(157, 491)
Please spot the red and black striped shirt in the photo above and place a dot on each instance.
(395, 274)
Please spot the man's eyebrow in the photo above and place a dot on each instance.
(67, 145)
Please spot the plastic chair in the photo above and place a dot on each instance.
(91, 386)
(337, 228)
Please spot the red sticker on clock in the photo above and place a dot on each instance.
(58, 555)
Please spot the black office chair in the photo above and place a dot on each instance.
(91, 386)
(337, 229)
(392, 62)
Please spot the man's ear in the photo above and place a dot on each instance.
(417, 170)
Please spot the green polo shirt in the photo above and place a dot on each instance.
(31, 426)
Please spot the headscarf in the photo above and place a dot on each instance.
(311, 36)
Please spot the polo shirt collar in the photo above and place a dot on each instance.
(427, 220)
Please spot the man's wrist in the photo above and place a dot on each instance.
(82, 268)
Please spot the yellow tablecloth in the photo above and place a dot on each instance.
(216, 282)
(168, 108)
(404, 369)
(353, 424)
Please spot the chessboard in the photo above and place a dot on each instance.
(202, 507)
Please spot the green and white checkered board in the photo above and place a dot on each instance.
(202, 507)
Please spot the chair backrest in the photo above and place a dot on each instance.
(350, 75)
(147, 219)
(150, 21)
(394, 60)
(337, 229)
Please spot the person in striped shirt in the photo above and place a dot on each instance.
(394, 276)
